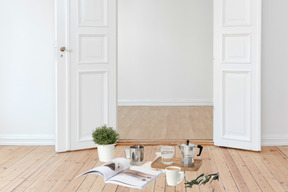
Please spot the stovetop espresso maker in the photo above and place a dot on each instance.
(188, 151)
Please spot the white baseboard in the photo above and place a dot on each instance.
(165, 102)
(274, 140)
(27, 139)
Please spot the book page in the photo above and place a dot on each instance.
(136, 177)
(110, 169)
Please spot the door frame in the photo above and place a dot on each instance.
(62, 141)
(62, 138)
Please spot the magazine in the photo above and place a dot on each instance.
(119, 172)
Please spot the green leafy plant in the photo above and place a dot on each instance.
(202, 180)
(104, 135)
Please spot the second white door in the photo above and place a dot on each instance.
(92, 70)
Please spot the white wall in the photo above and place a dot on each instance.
(27, 89)
(165, 52)
(27, 85)
(275, 72)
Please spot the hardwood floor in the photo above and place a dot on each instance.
(183, 122)
(39, 168)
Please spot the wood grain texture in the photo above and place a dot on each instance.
(157, 164)
(39, 168)
(165, 122)
(284, 150)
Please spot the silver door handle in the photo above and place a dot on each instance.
(62, 49)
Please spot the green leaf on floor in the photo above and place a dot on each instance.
(202, 180)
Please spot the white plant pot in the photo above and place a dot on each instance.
(106, 152)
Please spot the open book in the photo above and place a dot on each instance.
(119, 172)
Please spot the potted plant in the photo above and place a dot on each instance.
(106, 138)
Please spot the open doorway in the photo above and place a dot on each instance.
(87, 72)
(165, 69)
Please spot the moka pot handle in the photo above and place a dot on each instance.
(201, 148)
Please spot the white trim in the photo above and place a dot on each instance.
(272, 140)
(27, 139)
(165, 102)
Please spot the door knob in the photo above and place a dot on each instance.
(62, 49)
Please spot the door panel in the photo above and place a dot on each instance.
(87, 70)
(237, 50)
(92, 13)
(236, 95)
(93, 48)
(91, 102)
(93, 68)
(236, 12)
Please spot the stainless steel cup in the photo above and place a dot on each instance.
(136, 155)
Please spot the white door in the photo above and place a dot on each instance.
(86, 70)
(237, 51)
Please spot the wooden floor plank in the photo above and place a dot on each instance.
(210, 168)
(170, 188)
(59, 175)
(87, 182)
(84, 181)
(43, 171)
(224, 171)
(265, 171)
(70, 174)
(160, 184)
(242, 186)
(46, 181)
(22, 164)
(283, 149)
(25, 167)
(193, 122)
(15, 156)
(6, 153)
(255, 170)
(39, 168)
(124, 189)
(109, 188)
(98, 184)
(244, 171)
(279, 155)
(275, 166)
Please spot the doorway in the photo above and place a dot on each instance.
(87, 71)
(165, 69)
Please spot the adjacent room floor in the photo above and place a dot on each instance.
(39, 168)
(169, 122)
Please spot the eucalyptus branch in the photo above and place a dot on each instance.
(202, 180)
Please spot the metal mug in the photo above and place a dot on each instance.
(136, 154)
